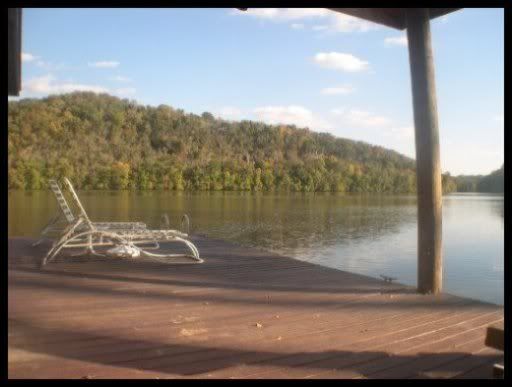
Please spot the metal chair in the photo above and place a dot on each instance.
(127, 239)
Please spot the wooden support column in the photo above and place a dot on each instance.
(428, 165)
(14, 51)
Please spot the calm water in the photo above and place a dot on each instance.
(369, 234)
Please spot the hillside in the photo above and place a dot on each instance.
(103, 142)
(493, 182)
(467, 183)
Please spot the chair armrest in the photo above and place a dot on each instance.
(120, 225)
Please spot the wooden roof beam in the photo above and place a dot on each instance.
(391, 17)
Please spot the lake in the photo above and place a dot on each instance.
(365, 234)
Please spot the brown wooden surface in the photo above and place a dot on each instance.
(428, 162)
(496, 336)
(244, 313)
(14, 51)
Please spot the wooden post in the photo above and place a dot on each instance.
(14, 51)
(428, 165)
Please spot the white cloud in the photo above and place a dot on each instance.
(104, 64)
(284, 13)
(229, 113)
(290, 115)
(404, 132)
(27, 57)
(320, 28)
(340, 61)
(396, 41)
(49, 66)
(446, 141)
(484, 159)
(297, 26)
(338, 111)
(336, 22)
(47, 85)
(38, 85)
(46, 65)
(119, 78)
(347, 23)
(499, 118)
(125, 91)
(362, 118)
(373, 128)
(338, 90)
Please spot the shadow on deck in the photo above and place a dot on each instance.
(243, 313)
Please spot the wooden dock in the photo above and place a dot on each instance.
(244, 313)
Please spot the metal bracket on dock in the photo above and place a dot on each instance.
(387, 279)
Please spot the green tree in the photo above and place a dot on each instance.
(102, 142)
(120, 175)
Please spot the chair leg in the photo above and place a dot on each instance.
(45, 230)
(56, 246)
(67, 239)
(190, 245)
(38, 242)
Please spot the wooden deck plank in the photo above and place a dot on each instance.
(260, 351)
(483, 371)
(321, 319)
(271, 312)
(429, 359)
(243, 313)
(245, 335)
(475, 359)
(358, 353)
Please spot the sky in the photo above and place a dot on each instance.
(310, 67)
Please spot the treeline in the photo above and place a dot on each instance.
(103, 142)
(494, 182)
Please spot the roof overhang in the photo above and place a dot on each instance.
(391, 17)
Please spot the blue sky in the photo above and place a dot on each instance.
(310, 67)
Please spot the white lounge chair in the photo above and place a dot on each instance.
(65, 217)
(129, 239)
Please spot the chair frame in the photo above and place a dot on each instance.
(65, 217)
(78, 231)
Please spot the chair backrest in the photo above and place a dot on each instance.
(77, 201)
(61, 200)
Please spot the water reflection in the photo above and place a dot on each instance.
(367, 234)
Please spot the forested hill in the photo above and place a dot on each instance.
(493, 182)
(103, 142)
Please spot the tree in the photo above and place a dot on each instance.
(120, 175)
(103, 142)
